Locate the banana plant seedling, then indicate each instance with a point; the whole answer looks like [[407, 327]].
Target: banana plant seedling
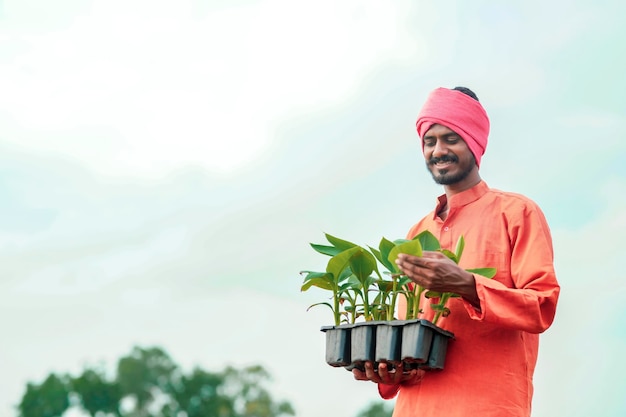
[[352, 276], [348, 277]]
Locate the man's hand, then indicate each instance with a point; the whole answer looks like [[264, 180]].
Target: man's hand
[[390, 377], [436, 272]]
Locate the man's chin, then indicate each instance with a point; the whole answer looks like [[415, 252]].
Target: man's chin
[[441, 180], [444, 178], [440, 176]]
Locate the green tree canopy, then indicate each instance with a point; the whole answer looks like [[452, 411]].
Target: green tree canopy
[[148, 383], [49, 399], [377, 409]]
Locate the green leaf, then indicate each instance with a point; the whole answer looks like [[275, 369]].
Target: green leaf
[[460, 245], [339, 243], [324, 282], [432, 294], [485, 272], [351, 284], [385, 286], [376, 253], [385, 247], [445, 311], [338, 263], [412, 247], [320, 304], [428, 241], [403, 281], [362, 264], [325, 250], [380, 259], [400, 241], [345, 274], [450, 255], [312, 273], [353, 280]]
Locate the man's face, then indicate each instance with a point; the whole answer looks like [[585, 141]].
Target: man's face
[[448, 158]]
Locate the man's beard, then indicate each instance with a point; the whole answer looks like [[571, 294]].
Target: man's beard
[[443, 178]]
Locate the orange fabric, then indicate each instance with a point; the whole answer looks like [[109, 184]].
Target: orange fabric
[[489, 365]]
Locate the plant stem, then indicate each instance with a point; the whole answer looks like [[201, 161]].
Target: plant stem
[[336, 312], [442, 304], [354, 307], [394, 292], [437, 315], [417, 299], [366, 304]]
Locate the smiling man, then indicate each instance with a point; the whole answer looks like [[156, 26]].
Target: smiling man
[[496, 322]]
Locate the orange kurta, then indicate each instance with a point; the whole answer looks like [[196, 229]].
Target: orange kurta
[[489, 366]]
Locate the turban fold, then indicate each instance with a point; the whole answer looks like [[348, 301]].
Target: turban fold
[[459, 112]]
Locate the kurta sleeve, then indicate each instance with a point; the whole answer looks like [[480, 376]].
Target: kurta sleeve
[[388, 392], [531, 304]]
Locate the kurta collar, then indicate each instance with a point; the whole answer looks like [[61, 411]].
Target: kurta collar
[[463, 198]]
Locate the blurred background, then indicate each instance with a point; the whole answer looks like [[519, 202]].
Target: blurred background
[[165, 164]]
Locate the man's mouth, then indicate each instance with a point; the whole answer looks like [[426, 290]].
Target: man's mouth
[[442, 162]]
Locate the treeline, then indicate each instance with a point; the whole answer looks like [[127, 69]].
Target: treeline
[[148, 383]]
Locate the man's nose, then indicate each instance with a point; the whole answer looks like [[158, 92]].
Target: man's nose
[[440, 149]]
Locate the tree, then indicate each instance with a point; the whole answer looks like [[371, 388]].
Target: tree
[[377, 409], [49, 399], [148, 383], [200, 394], [144, 376], [96, 393]]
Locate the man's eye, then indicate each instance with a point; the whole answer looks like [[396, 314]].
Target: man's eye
[[429, 143]]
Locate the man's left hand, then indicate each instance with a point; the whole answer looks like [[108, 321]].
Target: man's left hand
[[436, 272]]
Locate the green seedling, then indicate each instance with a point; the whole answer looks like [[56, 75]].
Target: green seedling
[[358, 289]]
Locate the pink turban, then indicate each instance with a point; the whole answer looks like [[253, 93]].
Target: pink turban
[[459, 112]]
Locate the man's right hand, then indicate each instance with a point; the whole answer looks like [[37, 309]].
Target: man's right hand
[[383, 375]]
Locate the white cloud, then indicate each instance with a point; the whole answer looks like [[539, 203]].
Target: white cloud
[[158, 88], [96, 268]]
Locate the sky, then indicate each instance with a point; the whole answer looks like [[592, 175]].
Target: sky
[[165, 164]]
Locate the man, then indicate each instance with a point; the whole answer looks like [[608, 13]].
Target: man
[[489, 366]]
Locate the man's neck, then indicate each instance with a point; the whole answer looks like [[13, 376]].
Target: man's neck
[[459, 187]]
